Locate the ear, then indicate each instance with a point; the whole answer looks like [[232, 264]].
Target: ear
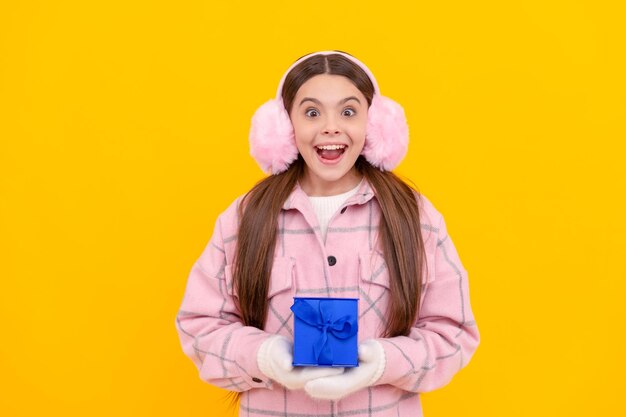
[[387, 135], [272, 140]]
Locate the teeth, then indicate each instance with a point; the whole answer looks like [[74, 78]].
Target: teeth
[[331, 147]]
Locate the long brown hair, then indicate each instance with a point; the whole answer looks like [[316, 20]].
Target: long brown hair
[[399, 227]]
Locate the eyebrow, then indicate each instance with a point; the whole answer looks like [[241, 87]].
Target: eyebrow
[[314, 100]]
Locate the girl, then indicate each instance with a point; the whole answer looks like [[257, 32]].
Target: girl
[[331, 220]]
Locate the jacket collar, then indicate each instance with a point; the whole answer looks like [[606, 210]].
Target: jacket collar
[[298, 199]]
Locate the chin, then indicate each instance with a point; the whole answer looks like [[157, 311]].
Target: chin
[[331, 177], [334, 174]]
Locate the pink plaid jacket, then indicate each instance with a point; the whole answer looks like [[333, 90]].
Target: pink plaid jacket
[[441, 342]]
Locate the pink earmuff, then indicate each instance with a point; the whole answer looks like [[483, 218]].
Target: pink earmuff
[[273, 144]]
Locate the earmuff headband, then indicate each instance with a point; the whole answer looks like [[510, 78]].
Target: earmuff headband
[[272, 139]]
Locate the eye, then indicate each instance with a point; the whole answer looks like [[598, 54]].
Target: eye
[[348, 109], [308, 112]]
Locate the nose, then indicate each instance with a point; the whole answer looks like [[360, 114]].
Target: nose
[[331, 128]]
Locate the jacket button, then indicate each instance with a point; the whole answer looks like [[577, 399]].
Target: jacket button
[[332, 260], [255, 379], [343, 210]]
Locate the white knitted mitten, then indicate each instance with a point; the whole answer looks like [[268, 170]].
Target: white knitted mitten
[[371, 367], [275, 358]]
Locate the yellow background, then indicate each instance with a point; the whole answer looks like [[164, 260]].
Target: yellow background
[[124, 132]]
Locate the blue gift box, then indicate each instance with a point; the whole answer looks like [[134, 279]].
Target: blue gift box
[[325, 331]]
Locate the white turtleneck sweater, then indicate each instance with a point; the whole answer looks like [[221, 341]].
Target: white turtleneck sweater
[[326, 206]]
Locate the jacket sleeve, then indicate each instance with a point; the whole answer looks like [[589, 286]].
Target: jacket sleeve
[[445, 335], [209, 324]]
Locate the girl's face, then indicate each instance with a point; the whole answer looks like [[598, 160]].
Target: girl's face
[[329, 116]]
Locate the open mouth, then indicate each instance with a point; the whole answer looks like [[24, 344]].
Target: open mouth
[[330, 152]]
